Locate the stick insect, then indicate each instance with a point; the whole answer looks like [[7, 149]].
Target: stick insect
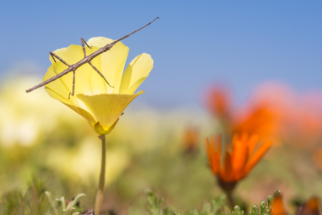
[[86, 59]]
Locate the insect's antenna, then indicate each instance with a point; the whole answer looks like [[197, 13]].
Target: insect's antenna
[[122, 38]]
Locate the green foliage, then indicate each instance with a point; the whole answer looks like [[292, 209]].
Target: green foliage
[[237, 211], [35, 200], [277, 193], [30, 202], [270, 200], [154, 205], [215, 207], [255, 210], [265, 207], [65, 209]]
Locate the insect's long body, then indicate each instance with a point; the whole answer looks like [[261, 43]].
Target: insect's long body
[[74, 66], [86, 59]]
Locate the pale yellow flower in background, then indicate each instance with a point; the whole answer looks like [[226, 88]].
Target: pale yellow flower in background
[[69, 162], [20, 124], [97, 102]]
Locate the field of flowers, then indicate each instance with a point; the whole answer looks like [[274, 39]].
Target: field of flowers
[[233, 154], [86, 144]]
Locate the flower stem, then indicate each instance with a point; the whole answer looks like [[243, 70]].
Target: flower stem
[[228, 188], [100, 191], [230, 199]]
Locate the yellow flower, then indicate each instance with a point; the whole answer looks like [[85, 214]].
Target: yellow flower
[[95, 100]]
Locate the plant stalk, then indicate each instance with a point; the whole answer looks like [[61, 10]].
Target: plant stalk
[[230, 199], [100, 191], [228, 188]]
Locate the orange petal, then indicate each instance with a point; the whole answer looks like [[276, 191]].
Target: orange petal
[[213, 161], [238, 158], [244, 137], [257, 156], [218, 150], [217, 100], [277, 206], [252, 142], [227, 170], [312, 207], [235, 137], [313, 204]]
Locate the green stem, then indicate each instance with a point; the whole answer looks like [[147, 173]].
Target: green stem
[[230, 199], [100, 191], [228, 188]]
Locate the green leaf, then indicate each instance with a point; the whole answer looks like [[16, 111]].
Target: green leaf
[[193, 212], [154, 204], [167, 211], [264, 208], [270, 199], [69, 211], [277, 193], [227, 210], [255, 210], [216, 204], [237, 211], [62, 202], [206, 209], [72, 203], [52, 202]]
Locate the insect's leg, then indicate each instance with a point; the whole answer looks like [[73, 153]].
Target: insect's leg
[[83, 45], [99, 73], [61, 60], [84, 42], [52, 56], [73, 89]]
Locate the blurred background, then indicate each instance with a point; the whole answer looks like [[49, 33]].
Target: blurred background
[[219, 67]]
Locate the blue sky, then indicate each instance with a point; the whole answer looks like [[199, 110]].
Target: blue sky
[[194, 43]]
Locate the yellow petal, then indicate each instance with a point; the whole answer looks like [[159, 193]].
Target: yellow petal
[[107, 108], [87, 80], [100, 130], [82, 112], [59, 97], [136, 72], [72, 106], [112, 61], [96, 83], [59, 86], [71, 54], [131, 90]]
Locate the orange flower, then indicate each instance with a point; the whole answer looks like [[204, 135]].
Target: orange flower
[[317, 158], [259, 119], [255, 118], [218, 101], [190, 139], [236, 164], [311, 207], [277, 206]]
